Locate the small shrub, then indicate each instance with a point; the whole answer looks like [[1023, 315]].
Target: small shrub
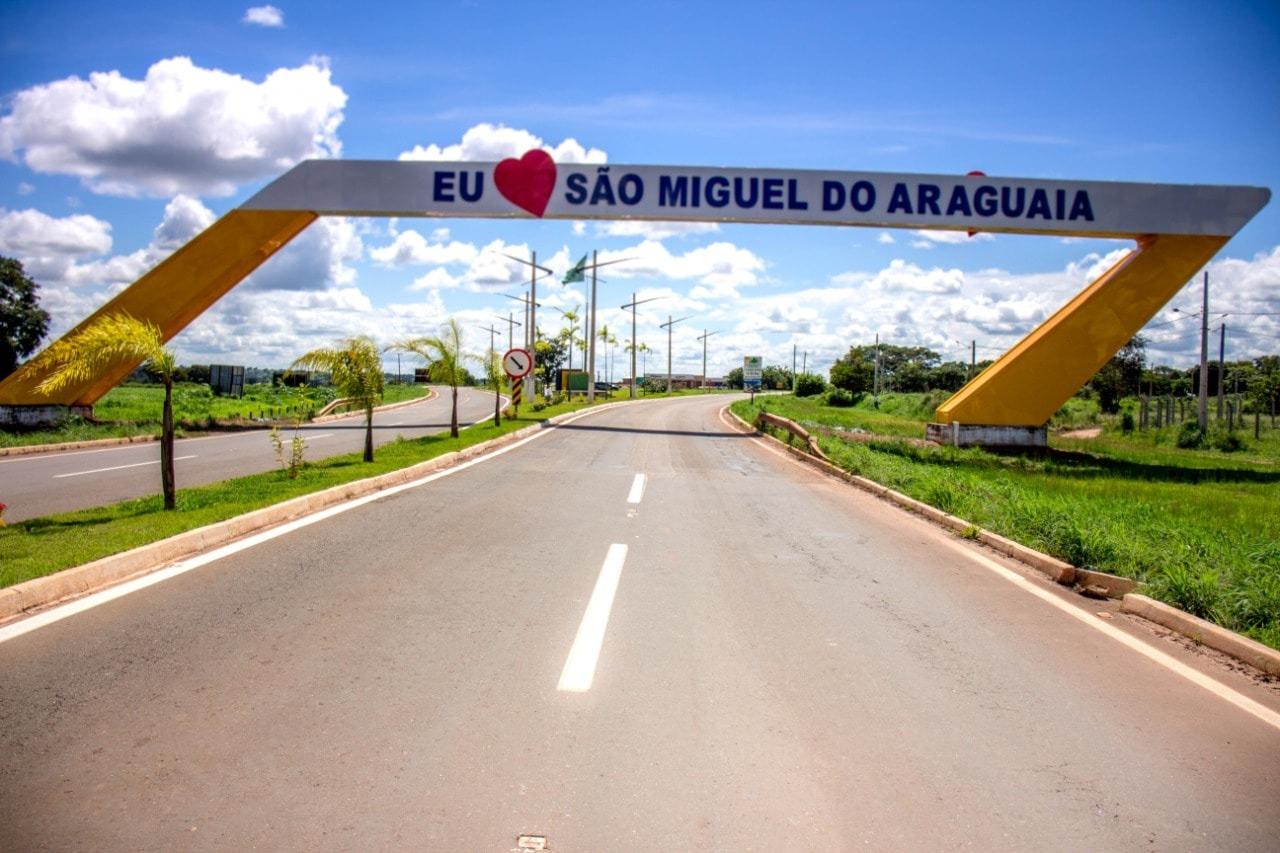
[[841, 398], [1126, 422], [537, 406], [1190, 436], [809, 384], [1229, 442], [1198, 593]]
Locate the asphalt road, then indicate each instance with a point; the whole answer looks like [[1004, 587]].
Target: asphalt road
[[50, 483], [731, 652]]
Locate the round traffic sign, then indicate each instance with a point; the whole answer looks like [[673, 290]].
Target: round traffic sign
[[517, 362]]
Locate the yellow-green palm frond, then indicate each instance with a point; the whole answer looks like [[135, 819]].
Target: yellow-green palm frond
[[108, 341], [354, 366]]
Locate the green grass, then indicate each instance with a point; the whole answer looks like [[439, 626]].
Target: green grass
[[40, 546], [1201, 527], [134, 409]]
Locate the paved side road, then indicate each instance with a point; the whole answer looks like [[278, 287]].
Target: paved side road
[[33, 486], [637, 631]]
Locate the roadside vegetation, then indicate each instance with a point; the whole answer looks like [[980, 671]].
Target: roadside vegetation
[[1200, 526]]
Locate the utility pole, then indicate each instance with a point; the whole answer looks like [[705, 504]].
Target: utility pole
[[973, 358], [591, 321], [511, 322], [1222, 366], [1202, 410], [793, 368], [875, 376], [668, 326], [531, 332], [804, 364], [632, 305], [703, 337]]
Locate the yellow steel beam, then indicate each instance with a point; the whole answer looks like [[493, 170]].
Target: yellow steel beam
[[174, 293], [1027, 384]]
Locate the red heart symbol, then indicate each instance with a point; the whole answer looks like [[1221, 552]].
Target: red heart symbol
[[528, 182]]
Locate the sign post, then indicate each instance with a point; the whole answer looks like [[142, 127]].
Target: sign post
[[752, 373], [518, 363]]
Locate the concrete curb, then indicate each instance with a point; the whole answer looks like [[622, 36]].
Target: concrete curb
[[28, 449], [90, 577], [1206, 633], [1099, 584], [389, 407]]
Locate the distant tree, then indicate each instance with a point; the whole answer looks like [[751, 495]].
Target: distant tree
[[355, 368], [776, 376], [23, 323], [1120, 376], [854, 371], [949, 376], [109, 341], [809, 384], [494, 375], [444, 350], [549, 356], [733, 378]]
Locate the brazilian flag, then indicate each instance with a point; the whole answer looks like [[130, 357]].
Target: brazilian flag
[[578, 272]]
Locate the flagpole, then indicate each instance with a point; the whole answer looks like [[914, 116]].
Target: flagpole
[[591, 337]]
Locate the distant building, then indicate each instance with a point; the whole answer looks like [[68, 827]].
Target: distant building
[[680, 381]]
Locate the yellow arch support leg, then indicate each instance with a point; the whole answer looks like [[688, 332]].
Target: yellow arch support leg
[[174, 293], [1033, 379]]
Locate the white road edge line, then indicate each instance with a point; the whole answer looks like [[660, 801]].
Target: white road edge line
[[71, 608], [1153, 654], [580, 667], [637, 489], [121, 467]]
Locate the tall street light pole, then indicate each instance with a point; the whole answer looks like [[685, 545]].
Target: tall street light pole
[[531, 333], [1202, 409], [632, 305], [511, 322], [668, 326], [591, 319], [703, 337]]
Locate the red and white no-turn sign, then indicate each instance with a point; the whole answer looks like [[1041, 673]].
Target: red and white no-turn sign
[[517, 363]]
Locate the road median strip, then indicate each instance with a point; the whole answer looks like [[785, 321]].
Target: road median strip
[[1087, 582], [32, 449]]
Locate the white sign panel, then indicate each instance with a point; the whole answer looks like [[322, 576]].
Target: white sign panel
[[535, 186], [517, 362], [752, 370]]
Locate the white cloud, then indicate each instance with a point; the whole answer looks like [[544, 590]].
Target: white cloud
[[181, 129], [929, 238], [29, 234], [263, 16], [410, 247], [487, 142], [886, 238], [719, 268], [316, 259], [25, 188]]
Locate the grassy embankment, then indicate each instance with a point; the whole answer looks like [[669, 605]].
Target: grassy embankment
[[134, 409], [1200, 527]]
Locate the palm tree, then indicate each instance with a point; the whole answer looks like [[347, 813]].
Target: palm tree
[[493, 372], [446, 351], [355, 367], [113, 339], [606, 337]]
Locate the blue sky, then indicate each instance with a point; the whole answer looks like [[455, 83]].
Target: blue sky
[[92, 193]]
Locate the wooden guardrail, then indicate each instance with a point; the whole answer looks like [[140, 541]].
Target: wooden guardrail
[[767, 419]]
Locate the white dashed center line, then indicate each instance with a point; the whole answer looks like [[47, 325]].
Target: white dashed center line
[[580, 668], [637, 489], [120, 467]]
